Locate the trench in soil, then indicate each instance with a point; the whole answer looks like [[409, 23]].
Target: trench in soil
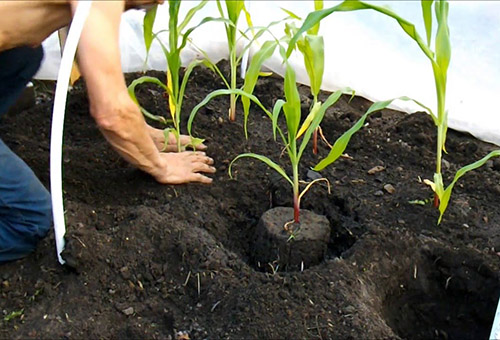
[[443, 297]]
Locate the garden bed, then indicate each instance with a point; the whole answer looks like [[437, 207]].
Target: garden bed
[[149, 261]]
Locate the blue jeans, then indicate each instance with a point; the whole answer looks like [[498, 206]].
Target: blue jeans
[[25, 205]]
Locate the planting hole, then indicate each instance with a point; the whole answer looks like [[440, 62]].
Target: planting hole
[[448, 295]]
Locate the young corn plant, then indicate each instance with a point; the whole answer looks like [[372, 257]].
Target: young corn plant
[[178, 37], [294, 147], [252, 73], [440, 60], [234, 8]]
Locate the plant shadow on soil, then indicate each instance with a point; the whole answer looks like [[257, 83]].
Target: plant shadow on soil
[[147, 261]]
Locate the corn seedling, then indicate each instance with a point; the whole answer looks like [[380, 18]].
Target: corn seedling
[[252, 73], [292, 111], [440, 60], [177, 38], [234, 8]]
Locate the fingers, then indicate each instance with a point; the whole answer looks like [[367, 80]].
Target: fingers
[[202, 163], [197, 177], [187, 166], [202, 167]]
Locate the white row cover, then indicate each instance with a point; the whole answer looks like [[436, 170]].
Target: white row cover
[[364, 50]]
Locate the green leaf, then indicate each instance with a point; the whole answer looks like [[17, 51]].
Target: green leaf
[[427, 15], [223, 92], [443, 45], [291, 14], [14, 314], [318, 5], [264, 159], [148, 22], [444, 200], [234, 8], [342, 142], [194, 143], [418, 202], [190, 14], [307, 122], [146, 79], [312, 48], [252, 74], [260, 31], [185, 79], [315, 17], [166, 136], [217, 93], [291, 108], [331, 100], [276, 111], [188, 32]]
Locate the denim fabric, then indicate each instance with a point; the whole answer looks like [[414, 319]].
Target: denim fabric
[[17, 67], [25, 206]]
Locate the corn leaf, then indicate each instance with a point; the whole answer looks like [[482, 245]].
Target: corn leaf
[[291, 14], [307, 122], [264, 159], [188, 32], [291, 108], [234, 8], [166, 136], [146, 79], [190, 14], [260, 31], [444, 200], [252, 75], [427, 15], [443, 45], [332, 99], [318, 5], [148, 23], [315, 17], [185, 79], [223, 92], [342, 142], [313, 49], [276, 111], [171, 99]]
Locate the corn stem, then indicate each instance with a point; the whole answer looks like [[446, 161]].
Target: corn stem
[[232, 97]]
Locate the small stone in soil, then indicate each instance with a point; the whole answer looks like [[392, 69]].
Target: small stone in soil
[[446, 164], [378, 193], [128, 311], [313, 175], [389, 188], [376, 169]]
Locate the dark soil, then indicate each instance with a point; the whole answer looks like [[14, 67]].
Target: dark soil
[[149, 261]]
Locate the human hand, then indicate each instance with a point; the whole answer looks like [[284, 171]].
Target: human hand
[[184, 167], [159, 140]]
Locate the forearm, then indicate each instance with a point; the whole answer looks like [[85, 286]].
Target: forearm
[[117, 116], [125, 129]]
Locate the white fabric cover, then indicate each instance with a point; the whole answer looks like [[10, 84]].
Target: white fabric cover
[[364, 50]]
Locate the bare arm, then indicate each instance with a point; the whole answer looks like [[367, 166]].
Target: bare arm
[[117, 116]]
